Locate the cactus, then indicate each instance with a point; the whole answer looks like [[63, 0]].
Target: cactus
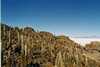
[[25, 47]]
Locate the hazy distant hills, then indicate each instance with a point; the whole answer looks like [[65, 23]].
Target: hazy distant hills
[[25, 47], [87, 36], [84, 40]]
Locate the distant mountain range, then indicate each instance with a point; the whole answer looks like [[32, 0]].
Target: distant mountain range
[[84, 40], [87, 37]]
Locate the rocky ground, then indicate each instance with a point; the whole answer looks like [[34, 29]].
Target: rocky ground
[[25, 47]]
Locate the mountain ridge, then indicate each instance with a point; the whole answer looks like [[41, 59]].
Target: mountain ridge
[[30, 48]]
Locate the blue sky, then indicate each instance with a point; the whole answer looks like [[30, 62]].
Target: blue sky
[[68, 17]]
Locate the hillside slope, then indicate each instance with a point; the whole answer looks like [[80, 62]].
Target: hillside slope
[[24, 47]]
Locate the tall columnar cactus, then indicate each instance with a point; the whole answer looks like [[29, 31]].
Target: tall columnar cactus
[[59, 60], [22, 47]]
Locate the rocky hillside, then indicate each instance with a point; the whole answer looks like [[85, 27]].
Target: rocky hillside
[[95, 45], [93, 50], [24, 47]]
